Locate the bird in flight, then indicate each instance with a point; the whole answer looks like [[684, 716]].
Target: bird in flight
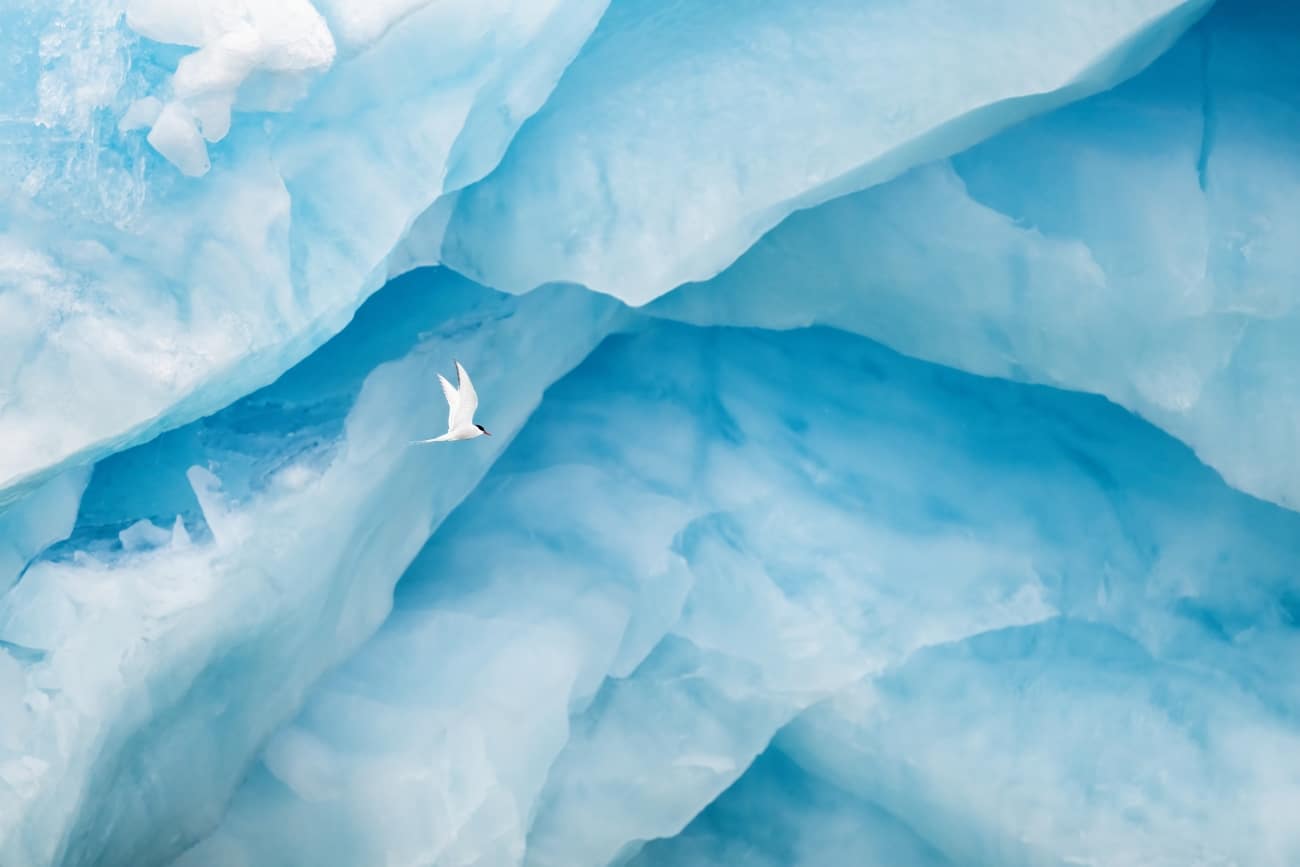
[[462, 400]]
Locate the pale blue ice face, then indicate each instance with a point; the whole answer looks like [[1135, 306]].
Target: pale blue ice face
[[966, 610], [612, 185], [895, 412], [1139, 244], [218, 570], [151, 292]]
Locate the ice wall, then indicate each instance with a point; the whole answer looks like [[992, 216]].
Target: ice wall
[[730, 595], [198, 194], [1140, 244], [998, 623], [145, 298], [1069, 742], [682, 133], [217, 571]]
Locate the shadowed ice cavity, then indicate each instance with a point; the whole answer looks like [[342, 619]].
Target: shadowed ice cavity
[[1139, 244], [215, 572], [609, 185], [144, 297], [804, 823], [703, 533]]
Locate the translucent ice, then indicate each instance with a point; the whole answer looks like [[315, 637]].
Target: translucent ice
[[684, 132], [144, 298], [153, 663], [1140, 244], [285, 42], [684, 555], [713, 594]]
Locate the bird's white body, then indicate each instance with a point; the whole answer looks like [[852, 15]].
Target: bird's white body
[[462, 401]]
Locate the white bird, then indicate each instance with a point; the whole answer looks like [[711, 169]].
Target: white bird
[[462, 400]]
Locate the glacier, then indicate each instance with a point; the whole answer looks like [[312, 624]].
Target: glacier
[[895, 412]]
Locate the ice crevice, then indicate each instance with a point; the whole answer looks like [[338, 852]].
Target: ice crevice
[[1207, 113]]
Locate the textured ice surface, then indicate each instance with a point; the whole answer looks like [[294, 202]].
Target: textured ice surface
[[683, 554], [155, 662], [684, 131], [145, 298], [1140, 244], [729, 596], [1069, 742], [286, 43]]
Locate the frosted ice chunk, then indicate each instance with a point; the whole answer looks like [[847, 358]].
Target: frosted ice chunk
[[682, 134], [235, 39], [142, 113], [221, 518], [1139, 244], [142, 535], [175, 135]]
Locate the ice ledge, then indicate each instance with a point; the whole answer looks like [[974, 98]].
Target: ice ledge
[[678, 138]]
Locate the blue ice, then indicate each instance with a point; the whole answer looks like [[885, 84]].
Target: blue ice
[[896, 409], [1005, 624]]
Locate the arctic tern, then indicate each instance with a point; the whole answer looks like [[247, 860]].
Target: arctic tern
[[462, 400]]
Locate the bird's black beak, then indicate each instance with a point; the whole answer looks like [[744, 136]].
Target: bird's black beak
[[487, 433]]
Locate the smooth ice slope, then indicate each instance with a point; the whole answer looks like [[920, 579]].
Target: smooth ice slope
[[1140, 244], [683, 554], [1069, 742], [685, 131], [217, 571], [144, 298]]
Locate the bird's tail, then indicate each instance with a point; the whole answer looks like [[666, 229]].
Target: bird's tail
[[441, 439]]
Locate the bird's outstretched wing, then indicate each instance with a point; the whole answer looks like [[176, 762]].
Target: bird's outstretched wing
[[453, 400], [467, 399]]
